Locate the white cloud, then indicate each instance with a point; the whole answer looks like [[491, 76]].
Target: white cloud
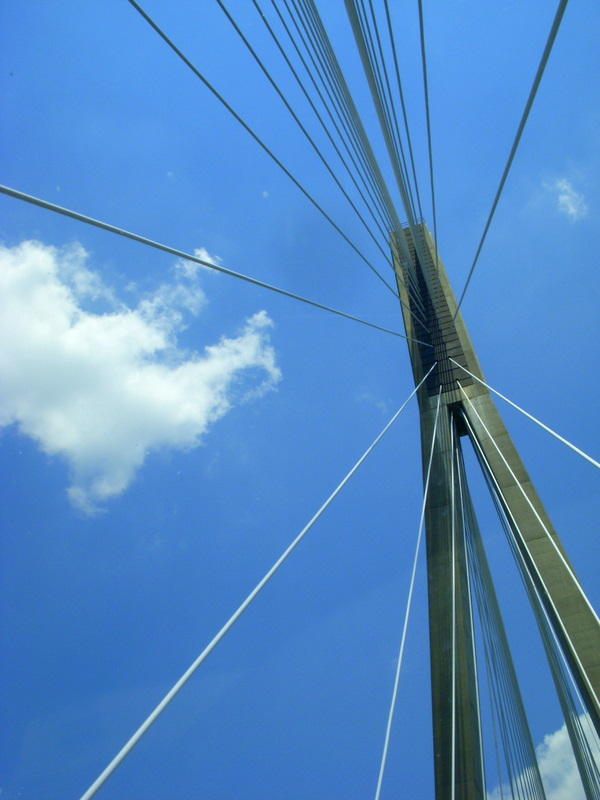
[[570, 202], [557, 765], [104, 388]]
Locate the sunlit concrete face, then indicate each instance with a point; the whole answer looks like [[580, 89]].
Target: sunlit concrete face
[[424, 289]]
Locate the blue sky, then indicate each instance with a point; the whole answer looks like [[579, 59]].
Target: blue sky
[[210, 462]]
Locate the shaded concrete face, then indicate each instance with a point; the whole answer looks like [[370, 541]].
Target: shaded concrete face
[[424, 288], [452, 657]]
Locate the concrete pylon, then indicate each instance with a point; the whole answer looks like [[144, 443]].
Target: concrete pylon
[[574, 621]]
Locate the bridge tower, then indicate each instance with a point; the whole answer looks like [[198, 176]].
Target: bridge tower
[[466, 409]]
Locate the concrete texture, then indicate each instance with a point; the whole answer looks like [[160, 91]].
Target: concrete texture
[[574, 622]]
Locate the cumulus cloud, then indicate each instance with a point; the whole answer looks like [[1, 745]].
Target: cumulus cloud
[[557, 765], [569, 201], [102, 384]]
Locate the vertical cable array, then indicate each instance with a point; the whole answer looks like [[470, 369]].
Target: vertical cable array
[[322, 61], [370, 31], [302, 127], [506, 701], [312, 33], [266, 149], [373, 70], [355, 175], [453, 592], [392, 38], [469, 585], [584, 739], [309, 39], [428, 121], [369, 201]]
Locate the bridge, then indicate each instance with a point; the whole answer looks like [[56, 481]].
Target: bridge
[[469, 648]]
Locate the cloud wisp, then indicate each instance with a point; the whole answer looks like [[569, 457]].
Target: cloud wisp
[[570, 202], [103, 389]]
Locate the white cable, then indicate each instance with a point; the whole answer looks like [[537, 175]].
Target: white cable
[[532, 566], [531, 506], [532, 93], [136, 237], [530, 579], [388, 729], [530, 416], [472, 637], [130, 744], [453, 560]]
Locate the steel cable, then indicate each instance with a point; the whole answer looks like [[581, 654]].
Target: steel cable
[[386, 93], [416, 235], [332, 111], [338, 79], [521, 751], [330, 73], [327, 73], [563, 678], [428, 121], [529, 103], [303, 128], [319, 34], [257, 139], [390, 717], [301, 125], [373, 211], [403, 104], [136, 237], [180, 683], [530, 416]]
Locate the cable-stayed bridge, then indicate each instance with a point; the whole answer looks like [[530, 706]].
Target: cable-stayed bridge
[[462, 597]]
